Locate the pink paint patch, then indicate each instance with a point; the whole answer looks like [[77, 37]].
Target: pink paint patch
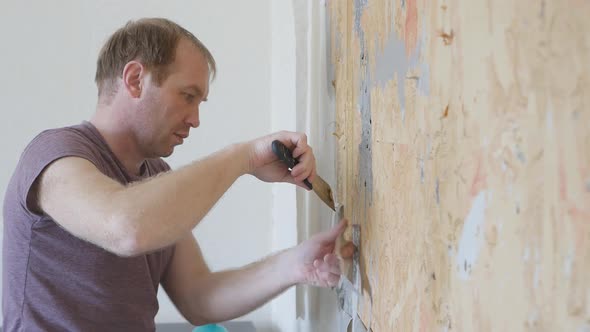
[[425, 318], [411, 29], [403, 149], [479, 181], [576, 213]]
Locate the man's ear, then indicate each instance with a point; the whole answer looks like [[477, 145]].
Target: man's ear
[[133, 74]]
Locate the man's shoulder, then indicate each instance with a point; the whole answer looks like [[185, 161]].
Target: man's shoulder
[[58, 135], [55, 143], [43, 149]]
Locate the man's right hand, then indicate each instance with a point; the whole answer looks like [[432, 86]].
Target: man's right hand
[[266, 166]]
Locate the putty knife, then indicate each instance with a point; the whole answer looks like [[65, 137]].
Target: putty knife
[[319, 186]]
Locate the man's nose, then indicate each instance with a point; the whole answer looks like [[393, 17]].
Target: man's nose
[[193, 118]]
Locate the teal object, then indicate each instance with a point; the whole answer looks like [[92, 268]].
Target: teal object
[[210, 328]]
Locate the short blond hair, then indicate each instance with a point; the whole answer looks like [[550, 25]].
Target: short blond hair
[[153, 42]]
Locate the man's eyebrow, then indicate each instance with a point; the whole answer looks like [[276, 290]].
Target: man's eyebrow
[[197, 90]]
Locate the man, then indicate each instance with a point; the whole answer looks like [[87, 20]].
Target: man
[[95, 220]]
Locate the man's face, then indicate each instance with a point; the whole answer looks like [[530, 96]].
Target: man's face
[[166, 113]]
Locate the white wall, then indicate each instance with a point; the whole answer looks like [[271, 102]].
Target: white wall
[[316, 307], [284, 209], [48, 56], [301, 86]]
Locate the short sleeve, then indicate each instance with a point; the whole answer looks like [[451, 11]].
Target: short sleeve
[[44, 149]]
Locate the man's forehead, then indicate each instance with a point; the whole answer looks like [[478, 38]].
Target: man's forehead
[[191, 66]]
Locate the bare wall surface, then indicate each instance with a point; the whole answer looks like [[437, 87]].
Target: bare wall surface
[[464, 154]]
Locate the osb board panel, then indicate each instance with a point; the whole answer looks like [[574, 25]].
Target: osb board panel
[[464, 154]]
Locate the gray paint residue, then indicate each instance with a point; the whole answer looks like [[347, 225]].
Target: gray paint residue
[[472, 236], [364, 107], [423, 159], [392, 63], [437, 192], [519, 154], [421, 162], [359, 7], [365, 146], [424, 79]]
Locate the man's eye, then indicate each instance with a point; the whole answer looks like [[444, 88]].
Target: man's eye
[[189, 98]]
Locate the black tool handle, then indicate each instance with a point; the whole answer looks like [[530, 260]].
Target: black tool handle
[[284, 154]]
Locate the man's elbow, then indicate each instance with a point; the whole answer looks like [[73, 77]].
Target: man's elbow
[[127, 247], [125, 238], [198, 321], [198, 317], [196, 311]]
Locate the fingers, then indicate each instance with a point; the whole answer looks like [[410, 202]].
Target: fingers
[[300, 145], [296, 142], [327, 270], [332, 234], [329, 279], [330, 264], [306, 168]]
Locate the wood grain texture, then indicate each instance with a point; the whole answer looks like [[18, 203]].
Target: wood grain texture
[[464, 154]]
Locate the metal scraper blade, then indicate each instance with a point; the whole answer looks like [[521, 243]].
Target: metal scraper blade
[[346, 290], [324, 191]]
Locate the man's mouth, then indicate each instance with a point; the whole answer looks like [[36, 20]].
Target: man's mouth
[[180, 138], [182, 135]]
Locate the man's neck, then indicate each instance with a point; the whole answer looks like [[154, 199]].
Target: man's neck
[[119, 138]]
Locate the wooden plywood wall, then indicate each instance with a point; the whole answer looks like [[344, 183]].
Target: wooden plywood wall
[[464, 154]]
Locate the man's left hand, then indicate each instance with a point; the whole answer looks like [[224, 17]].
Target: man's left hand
[[316, 263]]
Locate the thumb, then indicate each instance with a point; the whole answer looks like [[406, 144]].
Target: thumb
[[334, 233]]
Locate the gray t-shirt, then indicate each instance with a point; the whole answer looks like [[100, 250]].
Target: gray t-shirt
[[53, 281]]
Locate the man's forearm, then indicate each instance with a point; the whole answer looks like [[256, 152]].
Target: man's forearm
[[161, 210], [225, 295]]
